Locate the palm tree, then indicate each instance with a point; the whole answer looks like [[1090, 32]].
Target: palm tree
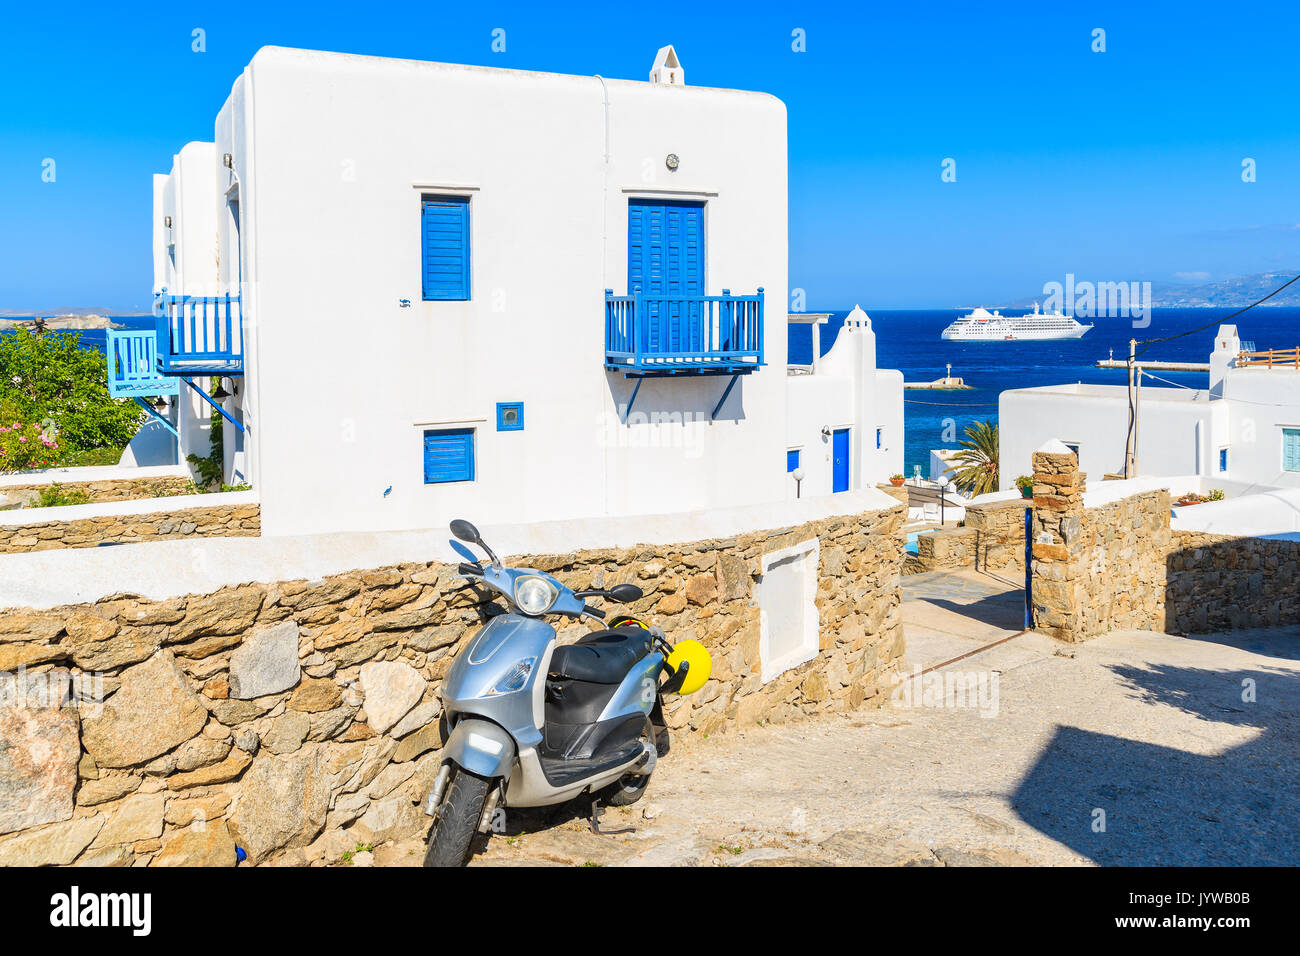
[[975, 468]]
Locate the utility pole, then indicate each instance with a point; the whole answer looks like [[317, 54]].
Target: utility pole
[[1130, 470], [1137, 420]]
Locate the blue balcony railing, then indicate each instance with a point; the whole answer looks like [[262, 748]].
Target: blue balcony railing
[[199, 335], [652, 334], [133, 365]]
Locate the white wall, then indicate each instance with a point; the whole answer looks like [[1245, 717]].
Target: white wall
[[1261, 402], [1095, 417], [186, 263], [847, 391], [331, 154]]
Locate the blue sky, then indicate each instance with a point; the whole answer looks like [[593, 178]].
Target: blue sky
[[1122, 165]]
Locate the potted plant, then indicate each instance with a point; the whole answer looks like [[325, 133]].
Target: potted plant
[[1026, 486], [1216, 494], [896, 480], [1189, 499]]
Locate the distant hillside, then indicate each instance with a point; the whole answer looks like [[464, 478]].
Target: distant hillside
[[67, 310], [1223, 294], [1228, 293]]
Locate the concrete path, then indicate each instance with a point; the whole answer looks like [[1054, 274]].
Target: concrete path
[[1134, 748]]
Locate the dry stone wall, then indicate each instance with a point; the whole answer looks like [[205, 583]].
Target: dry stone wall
[[1121, 567], [226, 521], [113, 489], [1217, 582], [298, 718]]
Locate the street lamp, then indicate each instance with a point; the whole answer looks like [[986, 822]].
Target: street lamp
[[798, 482]]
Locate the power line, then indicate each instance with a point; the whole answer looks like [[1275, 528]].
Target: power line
[[910, 401], [1147, 343], [1130, 440]]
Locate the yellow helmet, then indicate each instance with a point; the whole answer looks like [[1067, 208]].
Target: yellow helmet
[[697, 658]]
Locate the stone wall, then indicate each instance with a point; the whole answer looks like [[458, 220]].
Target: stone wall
[[946, 549], [113, 489], [299, 718], [1121, 567], [1095, 570], [227, 521], [999, 528], [1218, 582], [993, 537]]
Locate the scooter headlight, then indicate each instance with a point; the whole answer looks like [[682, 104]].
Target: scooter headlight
[[515, 678], [534, 594]]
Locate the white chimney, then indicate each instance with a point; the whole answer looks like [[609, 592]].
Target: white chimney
[[1227, 345], [668, 69]]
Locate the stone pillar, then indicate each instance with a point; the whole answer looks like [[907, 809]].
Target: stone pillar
[[1059, 593]]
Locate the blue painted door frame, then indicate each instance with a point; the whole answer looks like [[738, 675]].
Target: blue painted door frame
[[840, 460], [665, 256]]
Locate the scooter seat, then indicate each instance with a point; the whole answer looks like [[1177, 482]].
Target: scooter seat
[[601, 657]]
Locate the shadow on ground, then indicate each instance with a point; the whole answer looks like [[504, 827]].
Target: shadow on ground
[[1164, 805]]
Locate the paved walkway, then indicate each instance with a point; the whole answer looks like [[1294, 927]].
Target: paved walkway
[[1133, 748]]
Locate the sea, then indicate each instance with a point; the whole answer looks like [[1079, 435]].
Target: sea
[[909, 341]]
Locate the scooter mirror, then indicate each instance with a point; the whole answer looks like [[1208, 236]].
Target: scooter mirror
[[465, 531], [625, 593], [463, 551]]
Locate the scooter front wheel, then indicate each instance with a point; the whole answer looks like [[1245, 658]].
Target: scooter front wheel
[[457, 819]]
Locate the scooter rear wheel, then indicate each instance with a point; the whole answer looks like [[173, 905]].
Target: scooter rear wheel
[[626, 791], [458, 819]]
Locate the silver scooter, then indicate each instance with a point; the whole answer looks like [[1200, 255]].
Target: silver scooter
[[534, 724]]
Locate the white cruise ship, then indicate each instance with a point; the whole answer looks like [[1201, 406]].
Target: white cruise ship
[[981, 325]]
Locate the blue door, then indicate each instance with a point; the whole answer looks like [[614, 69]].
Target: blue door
[[840, 460], [665, 258]]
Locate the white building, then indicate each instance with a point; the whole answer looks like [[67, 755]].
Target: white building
[[1242, 431], [505, 295]]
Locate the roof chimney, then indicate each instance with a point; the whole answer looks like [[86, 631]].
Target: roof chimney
[[667, 69]]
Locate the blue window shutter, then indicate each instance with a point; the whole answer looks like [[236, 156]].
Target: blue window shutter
[[1291, 449], [665, 256], [1223, 459], [792, 460], [445, 249], [448, 455]]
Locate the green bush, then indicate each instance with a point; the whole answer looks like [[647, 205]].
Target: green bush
[[49, 378]]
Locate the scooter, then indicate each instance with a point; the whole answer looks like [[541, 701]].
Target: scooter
[[534, 724]]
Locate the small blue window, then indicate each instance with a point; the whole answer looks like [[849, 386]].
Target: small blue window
[[448, 455], [445, 247], [880, 438], [510, 416], [792, 459], [1291, 449], [1223, 460]]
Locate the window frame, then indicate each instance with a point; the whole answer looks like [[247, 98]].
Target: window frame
[[457, 199], [471, 456], [502, 408]]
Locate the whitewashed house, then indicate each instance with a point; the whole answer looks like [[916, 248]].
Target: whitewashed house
[[432, 290], [1241, 432]]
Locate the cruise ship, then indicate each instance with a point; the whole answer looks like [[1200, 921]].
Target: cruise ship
[[981, 325]]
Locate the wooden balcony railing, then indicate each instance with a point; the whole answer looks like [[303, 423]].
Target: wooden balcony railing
[[199, 335], [133, 365], [652, 334], [1273, 358]]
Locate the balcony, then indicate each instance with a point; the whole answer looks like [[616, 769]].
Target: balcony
[[649, 334], [199, 335], [133, 366]]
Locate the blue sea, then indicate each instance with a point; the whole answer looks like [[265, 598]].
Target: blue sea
[[909, 341]]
